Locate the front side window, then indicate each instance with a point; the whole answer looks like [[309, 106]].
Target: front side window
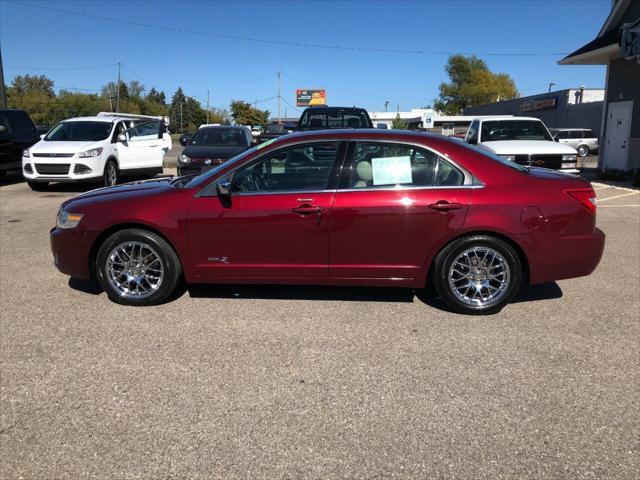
[[384, 165], [575, 134], [146, 131], [79, 132], [472, 133], [305, 167], [563, 135], [494, 130]]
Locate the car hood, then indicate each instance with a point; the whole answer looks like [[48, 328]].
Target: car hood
[[126, 191], [213, 151], [525, 147], [63, 147]]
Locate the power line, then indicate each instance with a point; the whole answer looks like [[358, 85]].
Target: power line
[[281, 42], [23, 67], [287, 103]]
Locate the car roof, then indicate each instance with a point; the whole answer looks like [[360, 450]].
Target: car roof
[[104, 119], [341, 134], [568, 129], [506, 117], [326, 107]]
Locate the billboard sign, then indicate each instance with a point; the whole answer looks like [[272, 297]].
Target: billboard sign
[[543, 104], [310, 97]]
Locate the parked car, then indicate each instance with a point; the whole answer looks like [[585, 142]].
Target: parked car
[[320, 118], [94, 149], [17, 132], [211, 146], [134, 119], [339, 208], [524, 140], [582, 139], [185, 138], [271, 131], [43, 129]]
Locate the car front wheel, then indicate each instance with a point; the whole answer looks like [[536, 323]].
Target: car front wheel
[[583, 150], [477, 274], [110, 175], [138, 268]]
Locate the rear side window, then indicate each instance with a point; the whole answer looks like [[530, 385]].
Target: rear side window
[[4, 121], [382, 165], [575, 134], [588, 134]]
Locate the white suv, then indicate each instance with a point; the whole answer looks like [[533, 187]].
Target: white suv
[[524, 140], [96, 149]]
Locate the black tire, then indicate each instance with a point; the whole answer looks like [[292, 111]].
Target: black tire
[[110, 174], [38, 186], [446, 257], [583, 150], [167, 256]]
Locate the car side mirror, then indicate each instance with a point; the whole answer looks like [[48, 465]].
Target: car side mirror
[[122, 138], [224, 189], [41, 136]]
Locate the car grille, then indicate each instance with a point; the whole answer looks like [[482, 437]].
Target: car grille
[[52, 168], [52, 155], [540, 160]]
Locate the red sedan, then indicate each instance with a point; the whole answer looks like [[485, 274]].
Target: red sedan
[[348, 207]]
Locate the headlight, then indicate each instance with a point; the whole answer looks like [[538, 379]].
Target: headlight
[[94, 152], [68, 220], [568, 158], [183, 158], [26, 153], [511, 158]]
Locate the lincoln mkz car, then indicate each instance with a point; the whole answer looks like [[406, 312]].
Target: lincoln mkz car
[[344, 207]]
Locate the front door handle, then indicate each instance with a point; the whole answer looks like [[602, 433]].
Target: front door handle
[[444, 206], [308, 210]]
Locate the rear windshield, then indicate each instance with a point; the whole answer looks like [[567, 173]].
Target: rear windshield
[[79, 132], [335, 119], [275, 128], [493, 131], [218, 136]]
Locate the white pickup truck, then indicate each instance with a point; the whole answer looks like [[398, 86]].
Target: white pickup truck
[[524, 140]]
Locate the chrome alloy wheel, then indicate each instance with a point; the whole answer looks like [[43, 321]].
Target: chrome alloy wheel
[[111, 174], [479, 276], [134, 270]]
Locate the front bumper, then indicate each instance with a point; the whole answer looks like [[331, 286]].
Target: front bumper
[[194, 168], [71, 252]]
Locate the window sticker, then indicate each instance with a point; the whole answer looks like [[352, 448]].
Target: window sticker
[[391, 170]]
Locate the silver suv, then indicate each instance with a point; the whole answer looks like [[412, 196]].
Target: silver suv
[[582, 139]]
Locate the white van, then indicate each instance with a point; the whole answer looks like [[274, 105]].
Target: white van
[[524, 140], [98, 149]]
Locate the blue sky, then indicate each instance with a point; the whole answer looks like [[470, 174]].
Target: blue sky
[[242, 69]]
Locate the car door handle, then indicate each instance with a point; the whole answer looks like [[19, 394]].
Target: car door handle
[[444, 206], [308, 210]]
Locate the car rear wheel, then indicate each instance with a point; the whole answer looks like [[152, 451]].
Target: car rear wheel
[[138, 268], [110, 175], [477, 274], [583, 150], [38, 186]]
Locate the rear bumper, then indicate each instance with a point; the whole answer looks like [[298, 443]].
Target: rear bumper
[[71, 250], [555, 258]]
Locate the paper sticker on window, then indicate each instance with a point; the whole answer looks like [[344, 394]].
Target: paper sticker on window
[[391, 170]]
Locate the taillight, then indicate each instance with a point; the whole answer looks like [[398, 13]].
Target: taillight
[[585, 197]]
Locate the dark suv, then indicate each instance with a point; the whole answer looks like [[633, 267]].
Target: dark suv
[[17, 133], [325, 118]]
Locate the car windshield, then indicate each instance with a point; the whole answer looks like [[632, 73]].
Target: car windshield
[[274, 128], [335, 119], [79, 132], [218, 136], [493, 131]]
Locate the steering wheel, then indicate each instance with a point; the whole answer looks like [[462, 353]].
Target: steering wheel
[[251, 181]]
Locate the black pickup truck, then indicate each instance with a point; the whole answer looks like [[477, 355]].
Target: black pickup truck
[[324, 118], [17, 133]]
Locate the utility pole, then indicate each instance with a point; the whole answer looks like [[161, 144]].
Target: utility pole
[[551, 85], [386, 104], [3, 94], [279, 98], [118, 91], [207, 106]]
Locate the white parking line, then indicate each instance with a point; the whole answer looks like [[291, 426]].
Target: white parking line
[[616, 206], [616, 196], [604, 185]]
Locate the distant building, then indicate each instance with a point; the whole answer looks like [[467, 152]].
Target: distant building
[[617, 46], [569, 108], [424, 119]]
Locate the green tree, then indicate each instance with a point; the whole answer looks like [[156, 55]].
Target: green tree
[[399, 123], [244, 114], [472, 83], [156, 97], [26, 84], [185, 113]]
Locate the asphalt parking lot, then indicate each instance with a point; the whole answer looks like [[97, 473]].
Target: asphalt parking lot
[[282, 382]]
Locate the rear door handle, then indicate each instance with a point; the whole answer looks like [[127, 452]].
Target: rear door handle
[[444, 206]]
